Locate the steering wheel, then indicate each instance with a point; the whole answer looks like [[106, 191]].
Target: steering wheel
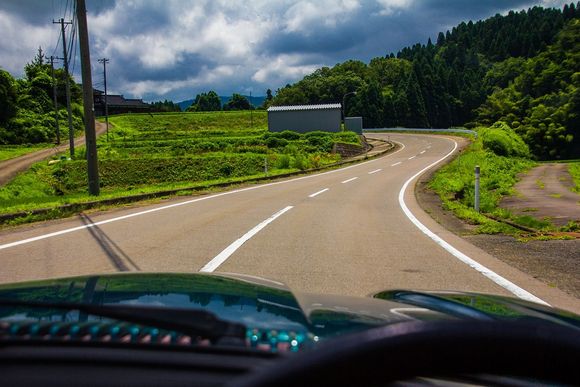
[[403, 351]]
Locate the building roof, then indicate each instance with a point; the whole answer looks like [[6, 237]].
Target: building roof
[[119, 100], [304, 107]]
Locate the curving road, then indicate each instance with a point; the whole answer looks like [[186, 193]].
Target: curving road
[[352, 231]]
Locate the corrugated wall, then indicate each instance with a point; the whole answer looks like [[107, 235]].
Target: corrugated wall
[[304, 120]]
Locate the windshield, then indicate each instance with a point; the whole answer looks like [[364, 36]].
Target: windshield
[[264, 153]]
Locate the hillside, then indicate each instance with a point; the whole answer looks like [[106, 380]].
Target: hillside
[[532, 55]]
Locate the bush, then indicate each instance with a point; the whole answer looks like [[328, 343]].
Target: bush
[[321, 141], [289, 135], [503, 141], [275, 142], [283, 162], [347, 137], [300, 162]]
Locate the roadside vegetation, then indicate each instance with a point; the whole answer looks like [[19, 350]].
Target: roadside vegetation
[[10, 151], [157, 152], [574, 169], [501, 155]]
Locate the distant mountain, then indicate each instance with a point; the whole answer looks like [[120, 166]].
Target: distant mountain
[[255, 101]]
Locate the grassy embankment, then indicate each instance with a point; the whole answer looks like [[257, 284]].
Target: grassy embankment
[[574, 169], [501, 155], [151, 153], [11, 151]]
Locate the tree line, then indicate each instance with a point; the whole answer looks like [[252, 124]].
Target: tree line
[[27, 113], [521, 68]]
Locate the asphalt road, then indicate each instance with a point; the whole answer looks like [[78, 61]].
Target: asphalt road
[[339, 232]]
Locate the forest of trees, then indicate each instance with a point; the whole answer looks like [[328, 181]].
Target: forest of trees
[[26, 105], [210, 101], [164, 107], [521, 68]]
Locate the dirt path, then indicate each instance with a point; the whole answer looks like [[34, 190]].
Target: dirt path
[[544, 192], [12, 167], [554, 262]]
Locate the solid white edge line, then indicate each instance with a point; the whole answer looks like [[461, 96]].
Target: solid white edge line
[[318, 193], [349, 180], [375, 171], [501, 281], [394, 165], [66, 231], [228, 251]]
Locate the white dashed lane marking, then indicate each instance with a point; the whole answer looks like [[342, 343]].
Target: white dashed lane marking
[[318, 193]]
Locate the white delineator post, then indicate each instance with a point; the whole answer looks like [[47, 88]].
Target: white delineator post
[[477, 188]]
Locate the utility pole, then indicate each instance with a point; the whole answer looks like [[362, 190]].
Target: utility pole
[[52, 58], [104, 61], [89, 109], [71, 133]]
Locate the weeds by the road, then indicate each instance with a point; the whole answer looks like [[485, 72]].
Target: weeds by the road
[[10, 151], [574, 169], [498, 152]]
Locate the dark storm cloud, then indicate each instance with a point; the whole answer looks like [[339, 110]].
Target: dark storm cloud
[[188, 65], [176, 48]]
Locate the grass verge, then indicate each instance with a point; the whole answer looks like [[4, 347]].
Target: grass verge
[[11, 151], [574, 170]]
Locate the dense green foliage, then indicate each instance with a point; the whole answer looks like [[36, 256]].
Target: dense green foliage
[[26, 105], [206, 102], [521, 68], [164, 107], [238, 102], [543, 101], [495, 152]]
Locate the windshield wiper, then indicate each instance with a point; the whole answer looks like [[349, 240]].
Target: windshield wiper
[[192, 322]]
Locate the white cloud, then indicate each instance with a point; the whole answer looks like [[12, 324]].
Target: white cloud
[[388, 7], [283, 68], [306, 16], [15, 51]]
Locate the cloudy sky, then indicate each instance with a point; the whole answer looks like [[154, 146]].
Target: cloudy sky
[[175, 49]]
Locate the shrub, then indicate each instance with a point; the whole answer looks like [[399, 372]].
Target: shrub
[[283, 161], [503, 141], [275, 142], [289, 135], [300, 162]]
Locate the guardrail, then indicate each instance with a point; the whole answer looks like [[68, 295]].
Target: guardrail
[[453, 130]]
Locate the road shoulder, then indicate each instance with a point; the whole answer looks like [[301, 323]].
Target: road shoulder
[[553, 263]]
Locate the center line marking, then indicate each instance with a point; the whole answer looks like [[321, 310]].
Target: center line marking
[[375, 171], [412, 157], [228, 251], [349, 180], [393, 165], [422, 152], [318, 193]]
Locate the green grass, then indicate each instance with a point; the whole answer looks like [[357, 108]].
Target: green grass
[[455, 182], [152, 153], [11, 151], [574, 170]]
